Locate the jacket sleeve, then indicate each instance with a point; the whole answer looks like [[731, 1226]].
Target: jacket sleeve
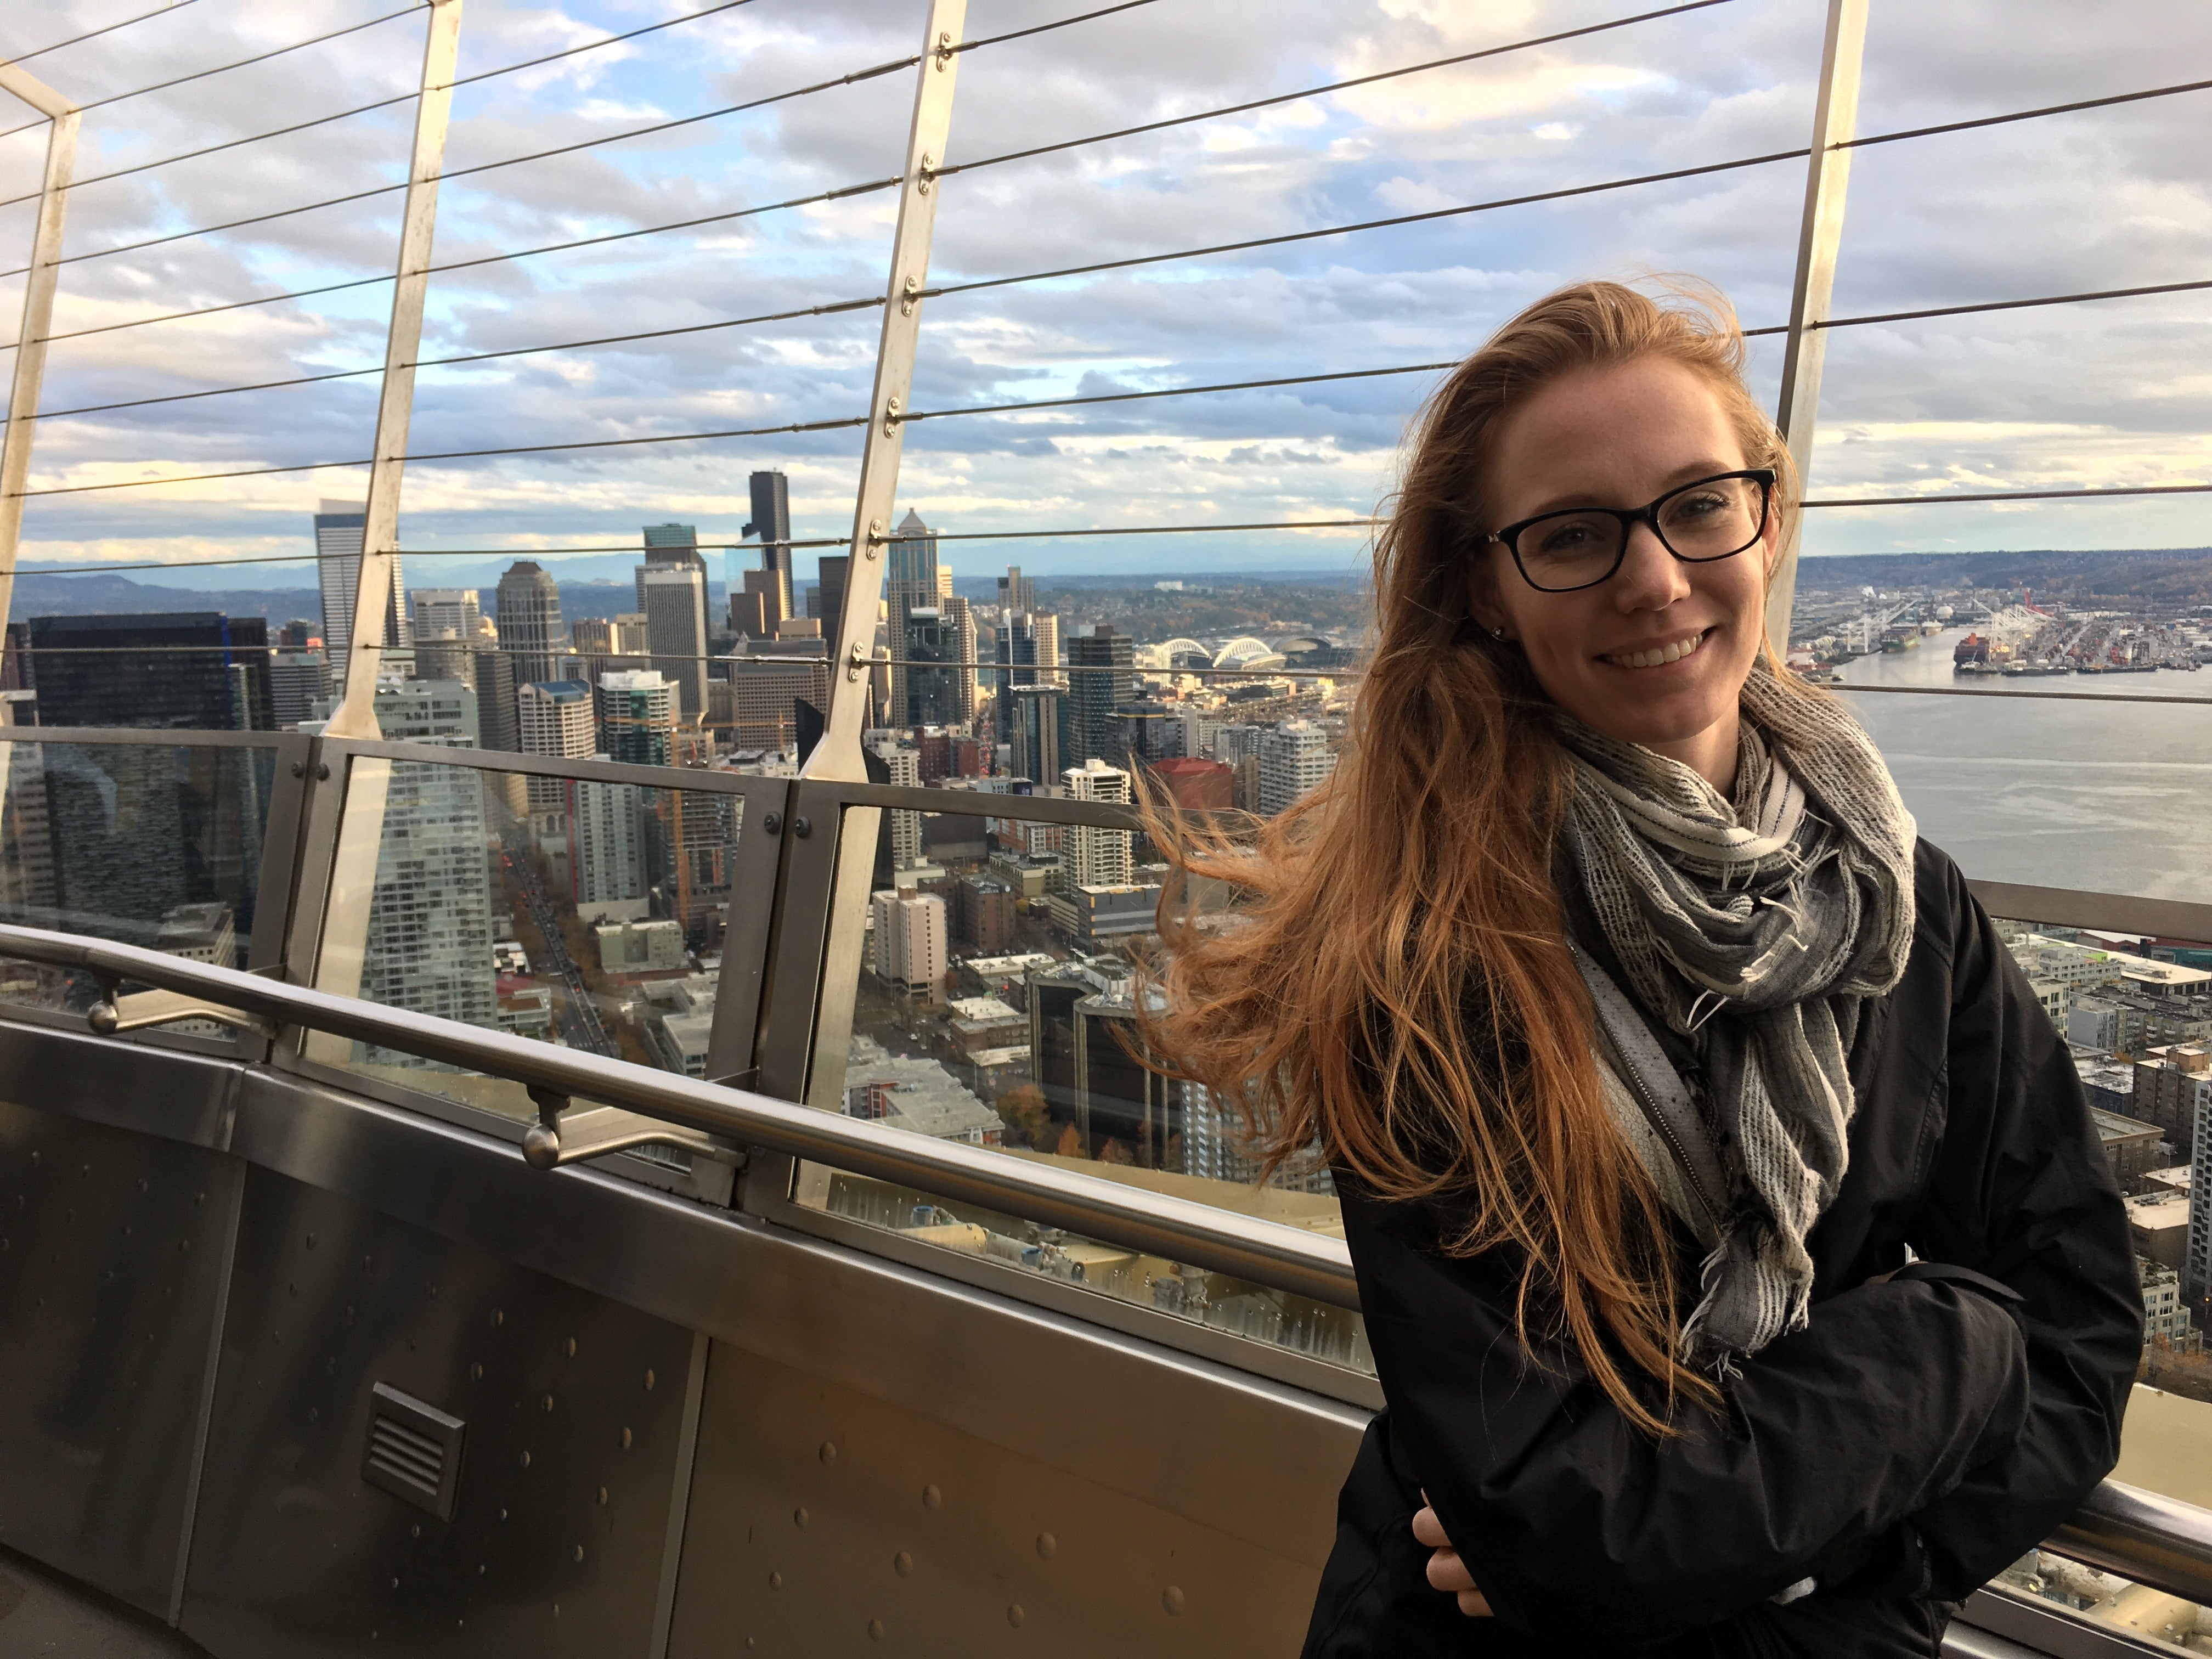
[[1580, 1527], [2021, 1191]]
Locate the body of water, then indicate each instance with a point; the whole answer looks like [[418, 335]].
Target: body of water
[[2097, 794]]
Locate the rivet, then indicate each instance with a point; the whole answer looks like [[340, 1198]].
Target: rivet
[[580, 1551], [931, 1497], [548, 1402], [498, 1317], [1171, 1599], [572, 1347], [829, 1453], [802, 827], [1015, 1616], [299, 769], [650, 1379], [602, 1497], [526, 1460], [395, 1584], [482, 1569], [476, 1371], [502, 1514], [322, 772], [902, 1564], [875, 1630], [626, 1439], [775, 1581], [1045, 1545], [414, 1531], [799, 1516]]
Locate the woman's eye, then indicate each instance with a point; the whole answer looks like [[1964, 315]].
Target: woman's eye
[[1576, 535], [1704, 504]]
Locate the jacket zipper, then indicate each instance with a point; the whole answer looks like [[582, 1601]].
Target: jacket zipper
[[1658, 1121]]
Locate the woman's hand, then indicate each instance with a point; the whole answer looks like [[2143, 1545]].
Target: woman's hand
[[1446, 1571]]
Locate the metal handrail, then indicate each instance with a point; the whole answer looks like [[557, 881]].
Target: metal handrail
[[2143, 1536], [1180, 1229]]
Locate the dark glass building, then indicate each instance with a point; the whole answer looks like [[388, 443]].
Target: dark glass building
[[1101, 676], [185, 670]]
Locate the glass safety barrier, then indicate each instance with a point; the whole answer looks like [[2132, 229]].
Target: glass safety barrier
[[994, 1002], [586, 911], [157, 843]]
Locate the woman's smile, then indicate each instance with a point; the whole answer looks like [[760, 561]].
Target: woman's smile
[[1662, 655]]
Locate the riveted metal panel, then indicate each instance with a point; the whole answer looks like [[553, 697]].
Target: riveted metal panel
[[111, 1270], [574, 1408], [826, 1522]]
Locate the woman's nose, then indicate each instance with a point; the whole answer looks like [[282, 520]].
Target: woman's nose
[[1650, 578]]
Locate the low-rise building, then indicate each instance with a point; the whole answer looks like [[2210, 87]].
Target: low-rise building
[[2158, 1224], [915, 1094], [2131, 1147], [2165, 1314], [640, 947], [979, 1023], [1092, 915]]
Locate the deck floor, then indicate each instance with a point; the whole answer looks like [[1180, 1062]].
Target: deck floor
[[43, 1613]]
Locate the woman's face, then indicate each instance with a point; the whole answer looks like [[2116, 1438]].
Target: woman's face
[[1621, 436]]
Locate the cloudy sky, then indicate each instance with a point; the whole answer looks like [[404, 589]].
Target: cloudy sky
[[2113, 393]]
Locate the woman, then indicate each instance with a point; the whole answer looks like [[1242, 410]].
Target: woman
[[1741, 1268]]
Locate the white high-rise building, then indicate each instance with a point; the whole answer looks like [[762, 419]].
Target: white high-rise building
[[458, 608], [530, 622], [606, 849], [910, 941], [555, 718], [1294, 758], [429, 917], [905, 828], [1097, 857], [340, 530]]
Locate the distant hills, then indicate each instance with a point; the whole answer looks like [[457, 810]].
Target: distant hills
[[2165, 577]]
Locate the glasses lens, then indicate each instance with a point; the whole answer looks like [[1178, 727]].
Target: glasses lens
[[1569, 549], [1712, 520]]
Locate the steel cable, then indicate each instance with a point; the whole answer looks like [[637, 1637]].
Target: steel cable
[[222, 69], [381, 103], [1317, 92], [538, 155], [94, 35]]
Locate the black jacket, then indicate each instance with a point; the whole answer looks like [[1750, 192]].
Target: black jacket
[[1916, 1438]]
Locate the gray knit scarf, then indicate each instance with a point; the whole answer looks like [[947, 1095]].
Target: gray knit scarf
[[1753, 928]]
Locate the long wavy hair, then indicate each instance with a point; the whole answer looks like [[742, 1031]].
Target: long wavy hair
[[1391, 983]]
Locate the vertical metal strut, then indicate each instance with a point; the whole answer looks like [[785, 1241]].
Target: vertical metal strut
[[356, 712], [838, 753], [39, 286], [1827, 177]]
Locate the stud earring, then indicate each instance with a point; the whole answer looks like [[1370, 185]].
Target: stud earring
[[1497, 632]]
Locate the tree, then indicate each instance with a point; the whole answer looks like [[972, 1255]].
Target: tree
[[1023, 1110]]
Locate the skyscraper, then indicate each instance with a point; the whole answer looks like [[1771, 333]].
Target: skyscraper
[[339, 529], [458, 608], [675, 604], [555, 718], [667, 545], [829, 596], [495, 700], [1101, 677], [926, 646], [637, 717], [771, 522], [960, 652], [172, 671], [911, 583], [606, 849], [1033, 731], [1015, 592], [530, 626], [1016, 651]]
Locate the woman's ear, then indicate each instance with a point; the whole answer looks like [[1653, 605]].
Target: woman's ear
[[1482, 598]]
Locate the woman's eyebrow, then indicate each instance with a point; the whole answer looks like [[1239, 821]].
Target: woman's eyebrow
[[1571, 499]]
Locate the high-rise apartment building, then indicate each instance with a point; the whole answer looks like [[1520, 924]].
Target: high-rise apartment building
[[340, 529], [770, 494], [904, 764], [1101, 677], [530, 626], [637, 717], [298, 680], [555, 717], [910, 942], [428, 946], [931, 697], [1097, 856], [459, 609], [764, 696], [959, 624], [606, 849], [1294, 758], [675, 604], [495, 688], [172, 671], [1033, 730], [1015, 648]]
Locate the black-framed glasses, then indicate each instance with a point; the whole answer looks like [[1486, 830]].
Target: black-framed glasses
[[1715, 517]]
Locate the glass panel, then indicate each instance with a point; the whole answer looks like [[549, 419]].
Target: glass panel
[[2164, 1623], [994, 1005], [577, 912], [150, 844], [2136, 1012], [2081, 792]]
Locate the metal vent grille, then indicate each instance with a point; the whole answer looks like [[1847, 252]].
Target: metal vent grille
[[414, 1451]]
